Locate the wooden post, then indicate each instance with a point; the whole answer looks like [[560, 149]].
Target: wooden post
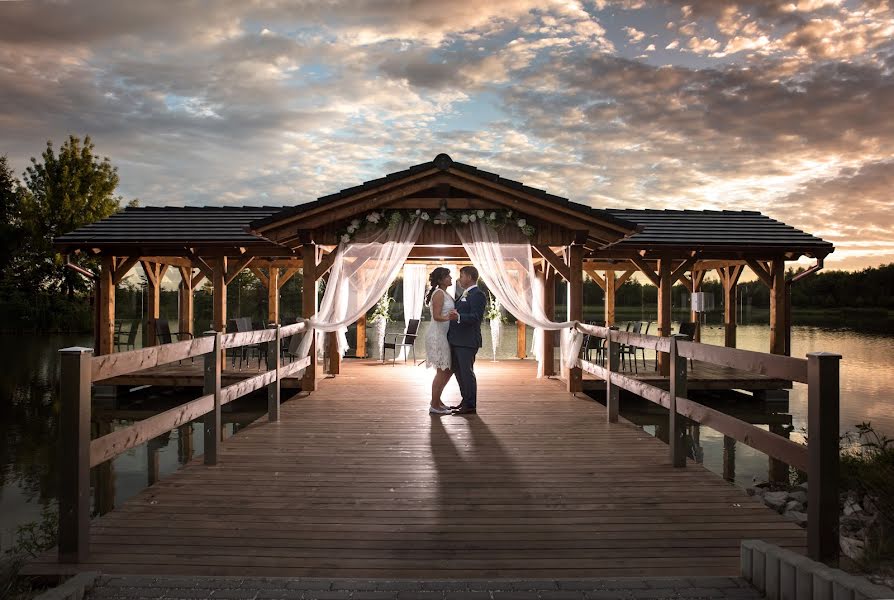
[[219, 295], [729, 458], [521, 339], [213, 429], [678, 389], [308, 310], [152, 464], [273, 296], [729, 278], [273, 390], [665, 268], [777, 470], [74, 441], [698, 277], [333, 353], [154, 275], [184, 443], [612, 391], [105, 306], [575, 261], [361, 337], [103, 475], [822, 460], [777, 307], [610, 284], [185, 314], [549, 309]]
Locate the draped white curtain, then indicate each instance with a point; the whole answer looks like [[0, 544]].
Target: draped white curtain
[[415, 286], [362, 272], [508, 270]]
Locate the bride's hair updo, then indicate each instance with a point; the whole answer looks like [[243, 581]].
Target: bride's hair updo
[[433, 279]]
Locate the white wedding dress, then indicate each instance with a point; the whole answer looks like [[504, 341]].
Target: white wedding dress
[[437, 348]]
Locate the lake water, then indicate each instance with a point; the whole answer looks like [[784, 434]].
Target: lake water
[[29, 414]]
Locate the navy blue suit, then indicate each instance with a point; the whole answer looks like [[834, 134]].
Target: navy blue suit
[[465, 339]]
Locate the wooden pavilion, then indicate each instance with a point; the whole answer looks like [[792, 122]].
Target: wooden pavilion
[[569, 240]]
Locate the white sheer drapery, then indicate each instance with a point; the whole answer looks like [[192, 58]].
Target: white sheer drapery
[[508, 270], [361, 273], [415, 286]]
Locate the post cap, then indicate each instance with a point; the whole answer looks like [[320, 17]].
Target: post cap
[[76, 350]]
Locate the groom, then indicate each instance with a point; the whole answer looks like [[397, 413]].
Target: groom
[[464, 336]]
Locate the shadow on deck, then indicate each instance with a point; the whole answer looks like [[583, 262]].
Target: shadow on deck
[[357, 480]]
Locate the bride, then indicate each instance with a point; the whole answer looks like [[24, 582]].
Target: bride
[[437, 348]]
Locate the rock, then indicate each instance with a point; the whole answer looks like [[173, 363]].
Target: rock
[[794, 505], [776, 500], [851, 506], [798, 496], [851, 524], [797, 517], [756, 491], [852, 548]]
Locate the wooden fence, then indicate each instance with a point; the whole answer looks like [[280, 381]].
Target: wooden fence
[[79, 369], [819, 371]]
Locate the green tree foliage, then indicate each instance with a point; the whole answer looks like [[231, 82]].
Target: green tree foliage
[[11, 233], [869, 288], [65, 192]]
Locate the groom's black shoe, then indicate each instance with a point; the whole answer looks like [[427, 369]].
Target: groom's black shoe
[[464, 410]]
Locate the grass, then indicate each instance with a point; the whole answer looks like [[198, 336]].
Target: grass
[[31, 539]]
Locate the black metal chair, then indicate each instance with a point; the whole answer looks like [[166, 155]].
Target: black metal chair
[[688, 329], [242, 325], [126, 338], [164, 335], [409, 341], [628, 350], [591, 343]]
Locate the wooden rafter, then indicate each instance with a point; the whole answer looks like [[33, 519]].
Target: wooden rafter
[[623, 278], [646, 270], [261, 276], [123, 268], [762, 271], [288, 274], [595, 277], [236, 267], [554, 261], [197, 279], [682, 268], [325, 263]]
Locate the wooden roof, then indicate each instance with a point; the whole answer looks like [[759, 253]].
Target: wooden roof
[[722, 233]]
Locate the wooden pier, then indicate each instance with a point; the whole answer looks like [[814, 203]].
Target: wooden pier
[[357, 480]]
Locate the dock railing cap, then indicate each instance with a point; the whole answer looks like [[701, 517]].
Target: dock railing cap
[[75, 350]]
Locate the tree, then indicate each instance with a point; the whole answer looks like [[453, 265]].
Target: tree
[[11, 230], [65, 192]]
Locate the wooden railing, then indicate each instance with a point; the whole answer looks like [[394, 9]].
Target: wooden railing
[[80, 369], [819, 371]]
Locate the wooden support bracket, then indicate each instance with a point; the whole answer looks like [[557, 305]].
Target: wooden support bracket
[[762, 272], [646, 270], [554, 261]]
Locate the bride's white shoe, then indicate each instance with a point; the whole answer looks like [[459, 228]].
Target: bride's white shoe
[[439, 411]]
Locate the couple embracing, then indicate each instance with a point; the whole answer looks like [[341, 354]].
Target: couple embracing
[[454, 337]]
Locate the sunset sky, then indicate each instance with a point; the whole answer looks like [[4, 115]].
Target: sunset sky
[[779, 106]]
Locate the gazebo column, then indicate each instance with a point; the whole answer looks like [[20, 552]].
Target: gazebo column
[[155, 273], [309, 309], [549, 309], [609, 288], [219, 293], [778, 324], [665, 285], [698, 277], [185, 313], [273, 296], [361, 337], [729, 277], [105, 302], [575, 261], [521, 337]]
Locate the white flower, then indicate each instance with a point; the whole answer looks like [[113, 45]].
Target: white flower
[[493, 216], [418, 211], [355, 223], [464, 218], [522, 222], [345, 238], [351, 229], [472, 218], [508, 213], [480, 214], [373, 217], [424, 216]]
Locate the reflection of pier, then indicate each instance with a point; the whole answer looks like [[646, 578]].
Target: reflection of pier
[[702, 376]]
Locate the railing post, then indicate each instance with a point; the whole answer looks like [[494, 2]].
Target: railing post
[[823, 455], [612, 391], [273, 390], [212, 386], [676, 429], [74, 438]]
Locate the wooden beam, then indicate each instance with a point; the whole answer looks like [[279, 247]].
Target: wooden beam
[[549, 308], [236, 267], [729, 277], [219, 296], [273, 296], [698, 277], [289, 273], [326, 262], [623, 278], [361, 337], [201, 264], [105, 299], [185, 313], [665, 285], [261, 277], [759, 270], [124, 266], [309, 309], [682, 268], [777, 307], [197, 279], [554, 261], [611, 286], [521, 335], [646, 270], [173, 261], [596, 277], [150, 271]]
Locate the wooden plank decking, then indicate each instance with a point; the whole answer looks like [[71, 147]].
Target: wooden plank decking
[[357, 480]]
